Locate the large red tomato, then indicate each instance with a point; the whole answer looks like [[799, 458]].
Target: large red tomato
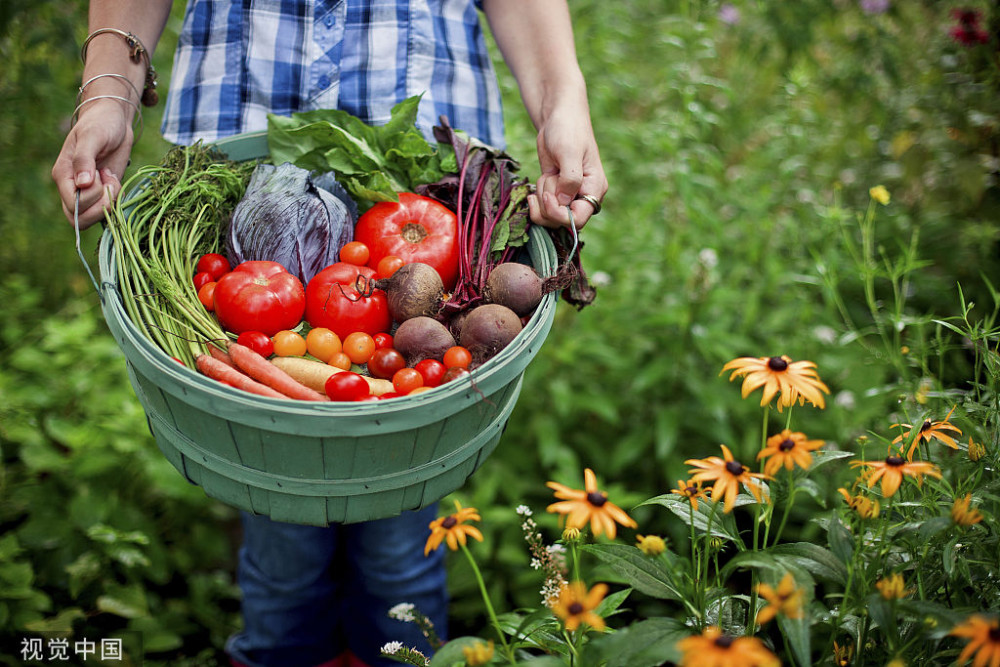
[[333, 302], [416, 229], [259, 296]]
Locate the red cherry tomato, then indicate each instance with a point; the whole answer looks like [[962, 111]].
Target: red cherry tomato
[[346, 386], [333, 302], [214, 264], [259, 296], [457, 357], [454, 373], [415, 229], [432, 371], [382, 340], [201, 278], [388, 265], [385, 361], [207, 296], [258, 341], [355, 253], [406, 380]]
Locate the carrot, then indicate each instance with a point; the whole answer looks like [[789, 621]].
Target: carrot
[[315, 374], [221, 355], [262, 370], [218, 370]]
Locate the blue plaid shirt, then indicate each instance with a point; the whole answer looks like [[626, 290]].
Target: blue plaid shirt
[[238, 61]]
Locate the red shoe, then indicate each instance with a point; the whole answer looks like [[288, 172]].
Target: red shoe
[[351, 660]]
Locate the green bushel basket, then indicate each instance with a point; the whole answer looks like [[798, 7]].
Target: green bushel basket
[[323, 463]]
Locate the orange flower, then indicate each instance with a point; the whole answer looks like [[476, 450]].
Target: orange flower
[[786, 599], [713, 649], [728, 474], [929, 430], [962, 515], [984, 636], [892, 470], [794, 380], [691, 490], [589, 505], [788, 449], [453, 529], [892, 587], [576, 605], [864, 506]]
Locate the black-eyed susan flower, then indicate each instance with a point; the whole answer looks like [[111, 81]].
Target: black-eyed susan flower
[[793, 380], [892, 587], [691, 490], [651, 545], [788, 449], [984, 640], [867, 508], [785, 599], [727, 474], [892, 470], [962, 514], [591, 505], [976, 451], [712, 648], [576, 605], [478, 653], [930, 430], [453, 529]]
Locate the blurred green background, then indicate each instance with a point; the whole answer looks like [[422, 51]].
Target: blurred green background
[[740, 141]]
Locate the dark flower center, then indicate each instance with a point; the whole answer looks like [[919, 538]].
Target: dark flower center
[[690, 490], [995, 634], [449, 522], [894, 461], [926, 425], [575, 609], [597, 498], [734, 468], [723, 641], [786, 445], [777, 364]]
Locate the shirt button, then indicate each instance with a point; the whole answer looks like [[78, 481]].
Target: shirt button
[[324, 81], [329, 21]]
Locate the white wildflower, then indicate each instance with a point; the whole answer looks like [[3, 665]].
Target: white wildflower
[[524, 510], [402, 611], [391, 648]]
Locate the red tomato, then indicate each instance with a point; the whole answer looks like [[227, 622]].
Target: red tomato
[[354, 252], [432, 371], [454, 373], [334, 303], [384, 362], [406, 380], [259, 296], [382, 340], [258, 341], [415, 229], [457, 357], [346, 386], [201, 278], [388, 265], [214, 264], [207, 295]]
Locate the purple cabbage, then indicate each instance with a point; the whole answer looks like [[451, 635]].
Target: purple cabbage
[[291, 216]]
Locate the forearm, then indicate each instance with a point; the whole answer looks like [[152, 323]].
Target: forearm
[[109, 53], [535, 38]]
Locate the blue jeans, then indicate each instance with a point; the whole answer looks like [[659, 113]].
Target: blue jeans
[[309, 593]]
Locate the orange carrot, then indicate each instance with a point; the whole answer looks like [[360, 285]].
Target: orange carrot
[[262, 370], [221, 355], [218, 370]]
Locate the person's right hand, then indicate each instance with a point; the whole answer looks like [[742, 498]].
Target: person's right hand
[[93, 159]]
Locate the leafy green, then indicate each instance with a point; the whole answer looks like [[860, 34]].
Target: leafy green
[[374, 162]]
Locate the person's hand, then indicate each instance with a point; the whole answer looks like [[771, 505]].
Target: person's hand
[[93, 159], [571, 167]]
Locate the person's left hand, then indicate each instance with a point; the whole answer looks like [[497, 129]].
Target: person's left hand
[[571, 167]]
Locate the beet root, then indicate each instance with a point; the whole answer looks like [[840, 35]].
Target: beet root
[[422, 337], [414, 290], [488, 329], [514, 285]]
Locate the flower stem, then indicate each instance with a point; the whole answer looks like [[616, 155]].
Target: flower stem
[[489, 605]]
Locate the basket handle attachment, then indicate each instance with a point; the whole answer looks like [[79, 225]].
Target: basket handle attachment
[[79, 252]]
